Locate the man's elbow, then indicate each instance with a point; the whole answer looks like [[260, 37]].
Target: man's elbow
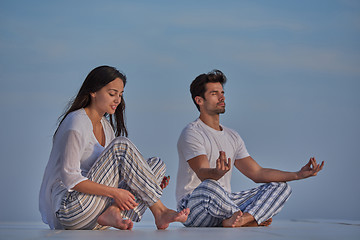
[[256, 179]]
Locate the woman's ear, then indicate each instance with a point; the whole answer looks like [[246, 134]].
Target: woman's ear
[[93, 94]]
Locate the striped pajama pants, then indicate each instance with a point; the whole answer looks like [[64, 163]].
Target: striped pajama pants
[[120, 165], [210, 204]]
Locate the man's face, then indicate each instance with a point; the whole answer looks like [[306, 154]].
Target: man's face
[[214, 102]]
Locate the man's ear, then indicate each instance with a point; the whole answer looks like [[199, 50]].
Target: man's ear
[[198, 100]]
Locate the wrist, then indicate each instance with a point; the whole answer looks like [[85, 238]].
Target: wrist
[[110, 192]]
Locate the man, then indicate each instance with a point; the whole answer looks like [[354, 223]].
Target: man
[[207, 153]]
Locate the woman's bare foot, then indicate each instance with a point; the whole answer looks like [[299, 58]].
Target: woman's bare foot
[[112, 217], [233, 221], [169, 216], [164, 216]]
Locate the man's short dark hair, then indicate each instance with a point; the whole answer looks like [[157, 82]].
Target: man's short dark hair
[[197, 87]]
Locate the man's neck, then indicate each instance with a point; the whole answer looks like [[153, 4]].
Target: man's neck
[[212, 121]]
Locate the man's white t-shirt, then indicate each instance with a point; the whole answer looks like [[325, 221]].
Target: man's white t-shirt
[[75, 149], [197, 139]]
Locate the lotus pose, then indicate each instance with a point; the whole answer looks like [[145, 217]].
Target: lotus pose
[[96, 177], [208, 151]]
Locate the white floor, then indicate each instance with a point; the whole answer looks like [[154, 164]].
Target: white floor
[[280, 229]]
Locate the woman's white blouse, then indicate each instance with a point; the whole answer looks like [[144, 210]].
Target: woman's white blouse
[[75, 149]]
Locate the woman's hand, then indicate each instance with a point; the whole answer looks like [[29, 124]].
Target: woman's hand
[[124, 199], [165, 182]]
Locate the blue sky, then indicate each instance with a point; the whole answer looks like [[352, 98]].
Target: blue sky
[[293, 71]]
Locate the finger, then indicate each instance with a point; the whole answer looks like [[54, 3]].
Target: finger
[[131, 204], [320, 166], [132, 196], [313, 163], [229, 163], [221, 163], [218, 163], [222, 155]]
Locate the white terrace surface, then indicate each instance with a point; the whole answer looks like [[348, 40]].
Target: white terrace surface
[[281, 229]]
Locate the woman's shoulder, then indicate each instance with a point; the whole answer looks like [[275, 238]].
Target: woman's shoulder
[[77, 120]]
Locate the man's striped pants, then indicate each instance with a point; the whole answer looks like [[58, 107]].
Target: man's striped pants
[[210, 204]]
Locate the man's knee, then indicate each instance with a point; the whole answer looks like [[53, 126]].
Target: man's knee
[[283, 187], [210, 183], [208, 192]]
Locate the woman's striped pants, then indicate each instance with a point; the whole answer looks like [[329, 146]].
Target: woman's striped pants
[[210, 204], [120, 165]]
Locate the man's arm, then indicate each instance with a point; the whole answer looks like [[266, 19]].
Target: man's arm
[[250, 168], [200, 165]]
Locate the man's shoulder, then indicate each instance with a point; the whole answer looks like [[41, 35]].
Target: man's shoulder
[[191, 130], [193, 126]]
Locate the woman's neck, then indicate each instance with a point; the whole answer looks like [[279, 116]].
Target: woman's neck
[[94, 115]]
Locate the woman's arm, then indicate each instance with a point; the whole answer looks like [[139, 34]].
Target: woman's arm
[[124, 199]]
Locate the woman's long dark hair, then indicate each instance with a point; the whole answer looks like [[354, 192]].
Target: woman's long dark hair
[[95, 80]]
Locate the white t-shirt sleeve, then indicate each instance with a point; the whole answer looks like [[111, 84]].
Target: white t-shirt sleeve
[[72, 147], [241, 151], [191, 144]]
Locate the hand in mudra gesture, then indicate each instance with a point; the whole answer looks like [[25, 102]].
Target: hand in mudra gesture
[[310, 169], [223, 165]]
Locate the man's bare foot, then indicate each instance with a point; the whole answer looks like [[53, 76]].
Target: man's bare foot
[[233, 221], [240, 219], [255, 224], [112, 217], [266, 223], [167, 216]]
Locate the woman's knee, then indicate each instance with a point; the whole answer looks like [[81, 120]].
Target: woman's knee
[[158, 168], [122, 139], [156, 163]]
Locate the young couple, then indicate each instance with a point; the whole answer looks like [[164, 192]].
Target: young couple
[[96, 177]]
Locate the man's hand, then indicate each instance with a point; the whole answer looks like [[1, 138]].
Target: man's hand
[[310, 169], [223, 165]]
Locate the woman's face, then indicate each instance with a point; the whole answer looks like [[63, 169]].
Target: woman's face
[[109, 97]]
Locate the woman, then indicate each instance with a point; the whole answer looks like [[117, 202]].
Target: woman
[[94, 180]]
